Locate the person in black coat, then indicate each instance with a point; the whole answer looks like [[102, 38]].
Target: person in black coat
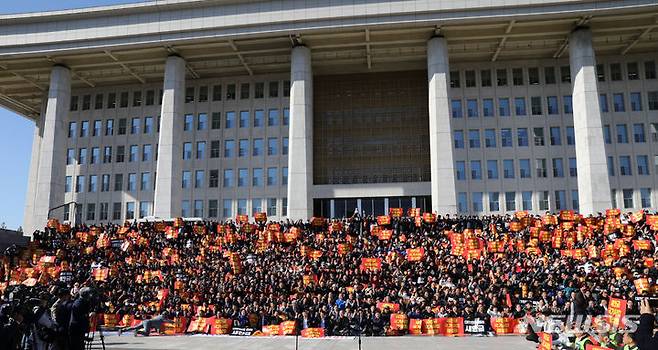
[[644, 337], [79, 324]]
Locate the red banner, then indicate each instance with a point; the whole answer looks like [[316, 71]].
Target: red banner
[[415, 254], [545, 341], [616, 312], [313, 333], [383, 220], [371, 264], [399, 322], [504, 325]]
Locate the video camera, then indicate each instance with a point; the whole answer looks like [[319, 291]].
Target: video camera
[[653, 300]]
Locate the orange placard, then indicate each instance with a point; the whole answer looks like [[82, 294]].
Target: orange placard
[[616, 312], [415, 254], [371, 264], [313, 333], [545, 341]]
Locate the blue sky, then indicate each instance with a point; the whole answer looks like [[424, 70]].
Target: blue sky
[[16, 132]]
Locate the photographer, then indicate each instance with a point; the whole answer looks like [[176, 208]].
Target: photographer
[[9, 328], [81, 307], [41, 329], [644, 337], [61, 313]]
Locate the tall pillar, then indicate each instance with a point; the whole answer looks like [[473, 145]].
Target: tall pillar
[[593, 181], [48, 190], [166, 201], [300, 154], [444, 197], [28, 220]]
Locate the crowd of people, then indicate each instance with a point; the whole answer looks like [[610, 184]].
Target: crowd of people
[[348, 276]]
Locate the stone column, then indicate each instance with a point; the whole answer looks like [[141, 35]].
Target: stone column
[[166, 201], [28, 221], [50, 165], [444, 197], [593, 181], [300, 155]]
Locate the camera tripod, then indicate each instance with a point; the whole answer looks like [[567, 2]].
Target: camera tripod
[[90, 342]]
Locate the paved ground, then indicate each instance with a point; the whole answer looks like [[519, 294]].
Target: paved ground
[[127, 341]]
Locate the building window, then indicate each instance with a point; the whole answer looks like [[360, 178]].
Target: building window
[[147, 153], [549, 75], [212, 208], [187, 150], [490, 138], [458, 138], [460, 168], [213, 180], [618, 102], [257, 177], [186, 179], [200, 150], [227, 208], [470, 78], [611, 166], [456, 108], [214, 149], [510, 201], [145, 183], [118, 182], [650, 70], [503, 107], [199, 179], [132, 182], [228, 178], [519, 106], [137, 98], [508, 168], [558, 167], [150, 97], [625, 165], [522, 137], [556, 138], [622, 133], [230, 120], [645, 197], [144, 209], [202, 121], [472, 108], [642, 164], [476, 170], [244, 91], [568, 108], [454, 79], [494, 201], [506, 137], [535, 105], [560, 200], [216, 120], [259, 115], [540, 165], [84, 128], [74, 103], [185, 208], [272, 146], [474, 138], [257, 149], [632, 71], [271, 176], [636, 101], [217, 93], [132, 156], [116, 211], [242, 207], [552, 105], [271, 207], [103, 215], [524, 169], [543, 200], [95, 155], [82, 156], [628, 198], [229, 148], [477, 201], [284, 147], [123, 99], [501, 77], [492, 169], [122, 126], [91, 212], [259, 90], [485, 78], [533, 76], [565, 74], [462, 201], [526, 200], [638, 133], [538, 135], [284, 176], [571, 137], [487, 107], [243, 148], [273, 89], [573, 167], [517, 76], [105, 183], [242, 177], [68, 184]]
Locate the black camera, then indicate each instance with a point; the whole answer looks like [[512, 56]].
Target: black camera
[[653, 300]]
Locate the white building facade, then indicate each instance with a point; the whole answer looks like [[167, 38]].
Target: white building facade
[[295, 108]]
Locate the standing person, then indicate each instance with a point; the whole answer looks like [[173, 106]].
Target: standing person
[[79, 323], [61, 314]]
